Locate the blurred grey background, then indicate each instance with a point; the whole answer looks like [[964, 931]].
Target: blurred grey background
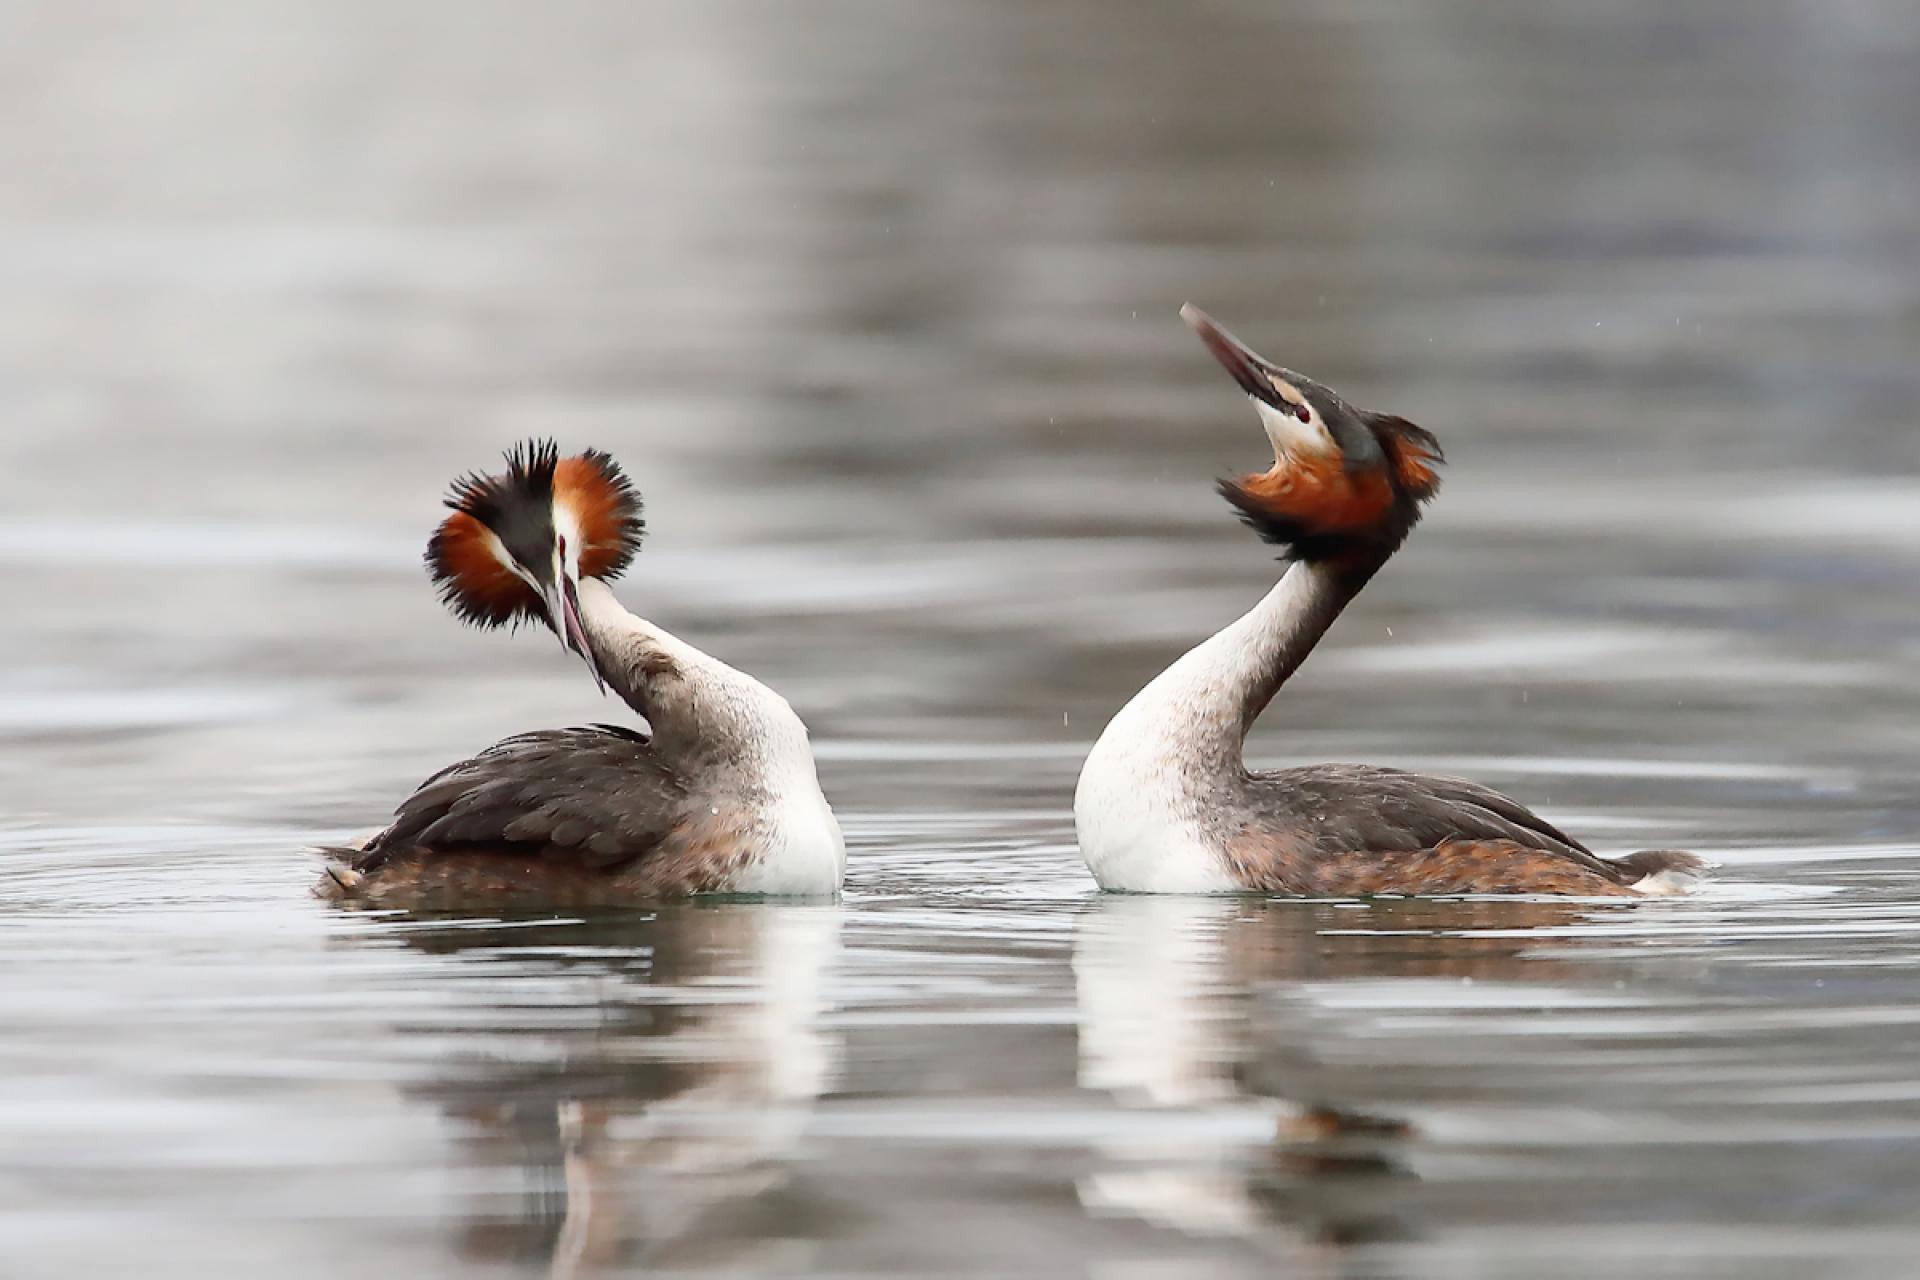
[[877, 303]]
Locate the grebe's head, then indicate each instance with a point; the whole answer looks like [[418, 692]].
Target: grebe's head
[[1344, 481], [518, 543]]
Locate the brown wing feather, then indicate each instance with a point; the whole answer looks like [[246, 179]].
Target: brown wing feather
[[1387, 824], [595, 798]]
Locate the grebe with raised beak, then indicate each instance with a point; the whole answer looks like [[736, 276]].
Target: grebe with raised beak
[[719, 796], [1165, 802]]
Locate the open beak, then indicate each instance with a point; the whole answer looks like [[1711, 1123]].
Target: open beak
[[563, 608], [1249, 369]]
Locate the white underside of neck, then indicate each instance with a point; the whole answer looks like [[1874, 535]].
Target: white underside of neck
[[1141, 807]]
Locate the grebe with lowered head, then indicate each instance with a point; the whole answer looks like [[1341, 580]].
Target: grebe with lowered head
[[720, 796], [1165, 802]]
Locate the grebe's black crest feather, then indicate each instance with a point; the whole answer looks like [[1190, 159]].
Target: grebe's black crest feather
[[528, 481], [1414, 449]]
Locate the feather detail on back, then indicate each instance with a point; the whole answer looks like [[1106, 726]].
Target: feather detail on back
[[592, 797]]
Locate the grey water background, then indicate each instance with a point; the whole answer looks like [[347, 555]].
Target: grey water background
[[877, 302]]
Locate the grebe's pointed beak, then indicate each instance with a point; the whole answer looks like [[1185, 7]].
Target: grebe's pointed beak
[[1251, 370], [563, 609]]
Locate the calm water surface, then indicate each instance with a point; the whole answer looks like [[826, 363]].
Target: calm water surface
[[877, 302]]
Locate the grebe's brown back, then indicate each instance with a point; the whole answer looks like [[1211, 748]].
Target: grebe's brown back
[[719, 796], [1165, 801]]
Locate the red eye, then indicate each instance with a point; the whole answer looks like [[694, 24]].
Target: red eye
[[1300, 412], [563, 544]]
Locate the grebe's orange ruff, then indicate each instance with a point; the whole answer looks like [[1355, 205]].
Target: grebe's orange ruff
[[720, 796], [1165, 802]]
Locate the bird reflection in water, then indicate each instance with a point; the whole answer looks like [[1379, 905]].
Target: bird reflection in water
[[641, 1081], [1216, 1009]]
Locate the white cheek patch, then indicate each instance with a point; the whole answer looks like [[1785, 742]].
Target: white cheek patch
[[1289, 434]]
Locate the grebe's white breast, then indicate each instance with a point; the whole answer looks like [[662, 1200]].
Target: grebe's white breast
[[801, 851], [1139, 807], [1138, 822]]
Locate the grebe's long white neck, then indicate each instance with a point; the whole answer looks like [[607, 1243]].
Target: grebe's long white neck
[[717, 721], [697, 704], [1152, 789]]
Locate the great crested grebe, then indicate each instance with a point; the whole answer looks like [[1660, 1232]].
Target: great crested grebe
[[1165, 802], [720, 797]]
